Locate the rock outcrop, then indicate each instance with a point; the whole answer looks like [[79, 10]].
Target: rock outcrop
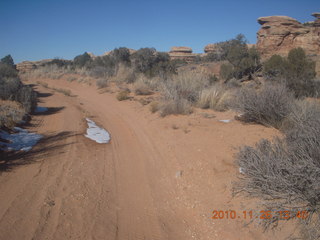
[[28, 66], [280, 34], [25, 66], [182, 53], [215, 48]]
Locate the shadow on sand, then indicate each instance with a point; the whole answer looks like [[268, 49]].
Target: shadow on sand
[[50, 145], [50, 111]]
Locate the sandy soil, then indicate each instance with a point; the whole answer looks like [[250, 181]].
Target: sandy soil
[[158, 178]]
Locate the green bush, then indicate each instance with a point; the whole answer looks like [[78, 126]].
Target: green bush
[[7, 60], [7, 71], [11, 87], [296, 71], [58, 62], [153, 63], [242, 61], [82, 60], [121, 55]]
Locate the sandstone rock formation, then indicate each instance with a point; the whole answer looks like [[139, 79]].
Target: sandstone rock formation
[[215, 48], [280, 34], [182, 53], [27, 66]]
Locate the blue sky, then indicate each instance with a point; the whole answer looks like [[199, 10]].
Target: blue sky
[[40, 29]]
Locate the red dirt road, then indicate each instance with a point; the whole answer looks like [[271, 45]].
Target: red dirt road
[[158, 178]]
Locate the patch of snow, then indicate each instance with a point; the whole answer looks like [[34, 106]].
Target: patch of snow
[[41, 109], [96, 133], [225, 121], [21, 140]]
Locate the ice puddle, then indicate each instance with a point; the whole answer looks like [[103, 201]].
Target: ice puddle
[[21, 140], [96, 133]]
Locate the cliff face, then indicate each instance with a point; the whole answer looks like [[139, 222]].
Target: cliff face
[[280, 34]]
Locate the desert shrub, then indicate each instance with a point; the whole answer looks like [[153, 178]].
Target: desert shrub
[[176, 106], [215, 97], [181, 91], [104, 66], [268, 106], [154, 106], [243, 62], [141, 87], [11, 113], [12, 89], [102, 82], [121, 55], [303, 126], [185, 85], [296, 71], [82, 60], [7, 71], [59, 63], [226, 71], [285, 172], [8, 60], [123, 95], [274, 67], [124, 74], [143, 59], [153, 63], [27, 97], [99, 72]]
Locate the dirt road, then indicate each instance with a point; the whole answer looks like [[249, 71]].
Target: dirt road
[[158, 178]]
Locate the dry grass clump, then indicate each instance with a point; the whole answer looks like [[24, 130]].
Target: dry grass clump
[[123, 95], [186, 85], [181, 91], [177, 106], [124, 74], [285, 172], [50, 71], [141, 87], [102, 82], [215, 97], [268, 106], [11, 113], [154, 106]]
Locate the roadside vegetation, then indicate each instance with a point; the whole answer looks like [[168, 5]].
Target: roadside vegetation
[[17, 100], [280, 92]]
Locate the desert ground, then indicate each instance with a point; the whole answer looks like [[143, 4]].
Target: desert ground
[[158, 178]]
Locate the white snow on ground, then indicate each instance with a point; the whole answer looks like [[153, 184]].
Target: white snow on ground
[[41, 109], [21, 140], [225, 121], [96, 133]]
